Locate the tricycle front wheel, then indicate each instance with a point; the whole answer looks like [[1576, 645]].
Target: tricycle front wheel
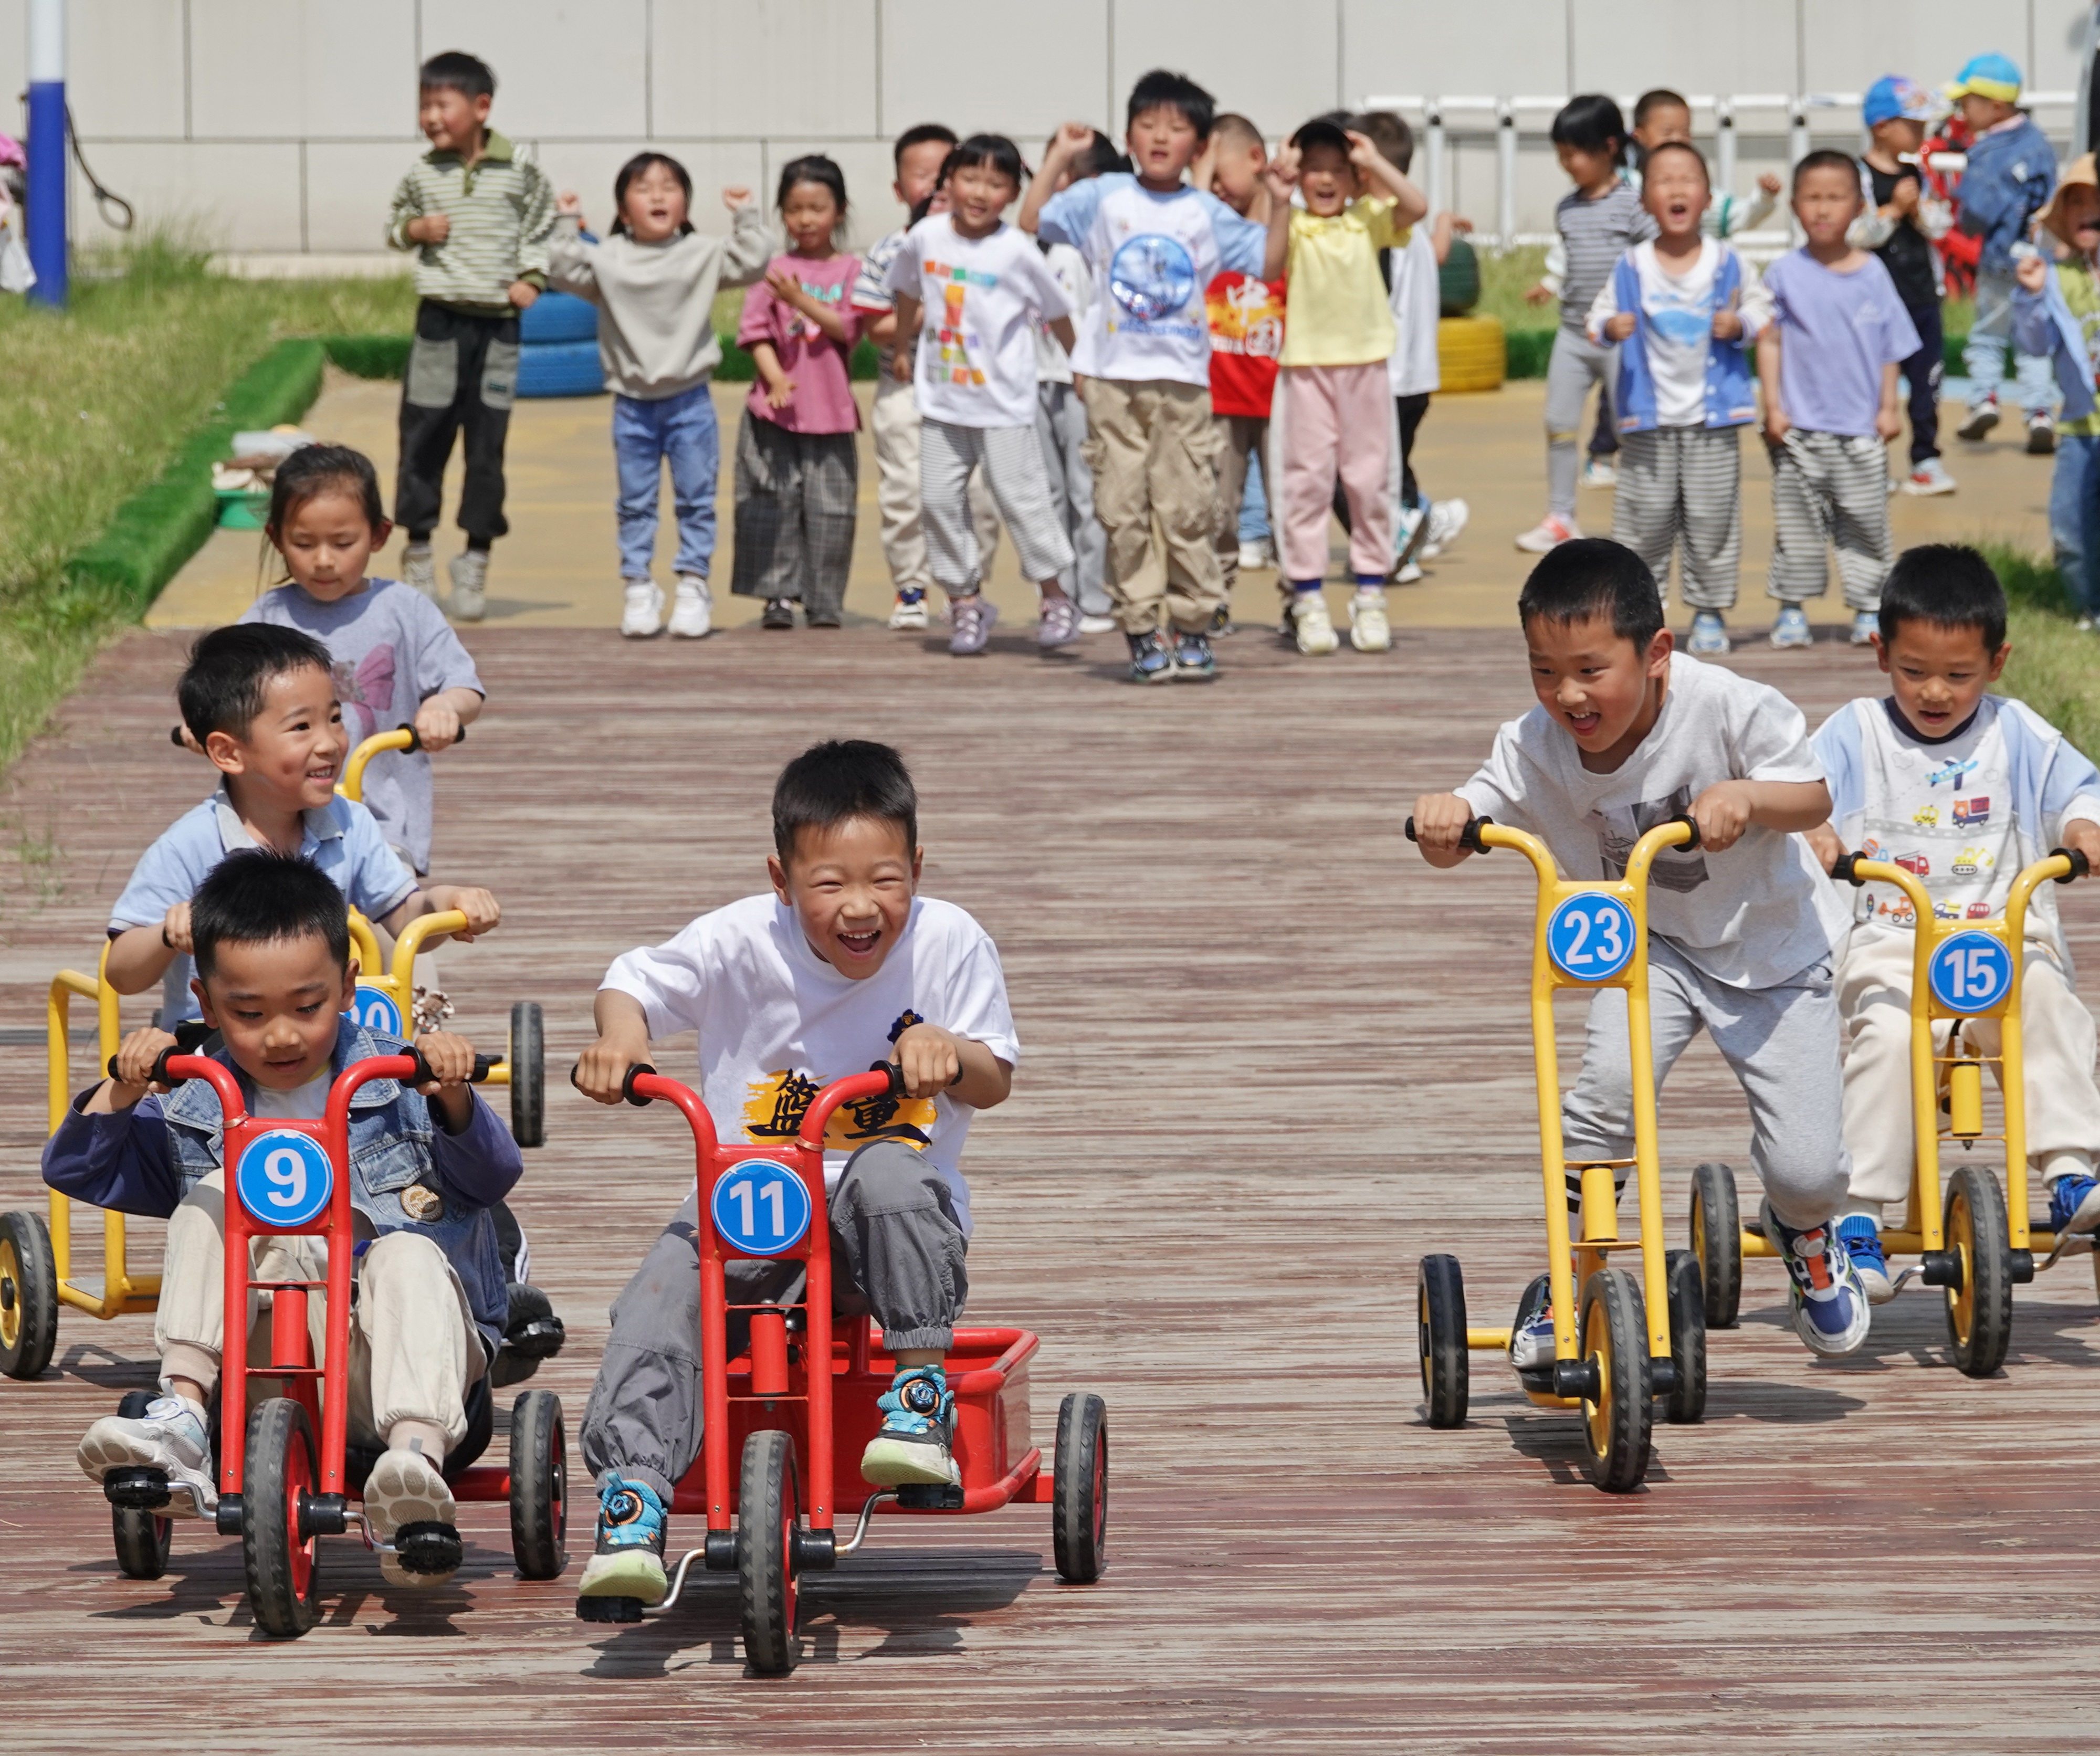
[[769, 1518], [1079, 1490]]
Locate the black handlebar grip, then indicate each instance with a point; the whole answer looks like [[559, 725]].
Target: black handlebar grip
[[1409, 830], [2080, 866], [627, 1085], [1470, 836], [423, 1074], [415, 738], [160, 1075], [1691, 823], [1844, 869], [175, 737], [896, 1072]]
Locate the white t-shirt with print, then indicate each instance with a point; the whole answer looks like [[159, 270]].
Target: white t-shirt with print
[[777, 1023], [1418, 302], [1068, 268], [1679, 309], [1750, 917], [983, 298]]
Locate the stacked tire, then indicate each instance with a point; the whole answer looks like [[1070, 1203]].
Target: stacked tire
[[558, 347]]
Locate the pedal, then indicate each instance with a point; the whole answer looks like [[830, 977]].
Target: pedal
[[540, 1340], [428, 1547], [930, 1497], [608, 1609], [136, 1490]]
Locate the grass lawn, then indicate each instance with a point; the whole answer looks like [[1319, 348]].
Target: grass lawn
[[100, 397]]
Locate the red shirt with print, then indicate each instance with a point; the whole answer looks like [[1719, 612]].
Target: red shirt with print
[[1247, 338]]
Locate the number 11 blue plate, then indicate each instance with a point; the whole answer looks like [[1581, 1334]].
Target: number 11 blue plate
[[761, 1208]]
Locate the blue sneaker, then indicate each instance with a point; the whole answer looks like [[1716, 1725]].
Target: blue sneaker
[[1151, 659], [911, 1446], [1531, 1339], [1862, 1239], [2074, 1203], [1709, 634], [1830, 1304], [628, 1560], [1792, 628]]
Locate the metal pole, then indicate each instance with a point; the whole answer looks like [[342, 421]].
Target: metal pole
[[1724, 145], [1505, 175], [1432, 167], [1796, 149], [45, 196]]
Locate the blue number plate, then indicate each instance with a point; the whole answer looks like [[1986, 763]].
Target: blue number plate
[[1971, 972], [374, 1008], [286, 1178], [1590, 937], [761, 1208]]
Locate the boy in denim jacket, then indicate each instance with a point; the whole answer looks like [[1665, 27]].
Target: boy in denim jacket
[[275, 976]]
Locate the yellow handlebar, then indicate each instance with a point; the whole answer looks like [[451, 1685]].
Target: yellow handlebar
[[401, 738], [1679, 831]]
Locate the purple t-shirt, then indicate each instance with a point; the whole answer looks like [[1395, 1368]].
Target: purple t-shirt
[[823, 388], [1837, 331]]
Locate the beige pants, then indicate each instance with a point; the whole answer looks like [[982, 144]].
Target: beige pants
[[1153, 449], [2057, 1044], [895, 424], [413, 1347]]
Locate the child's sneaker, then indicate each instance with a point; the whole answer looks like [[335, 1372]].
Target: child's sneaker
[[969, 620], [1928, 478], [419, 568], [1709, 634], [1221, 621], [1060, 625], [2074, 1203], [2041, 435], [1531, 1341], [1550, 533], [1828, 1303], [1368, 630], [469, 572], [405, 1490], [1151, 661], [1982, 416], [1097, 624], [1792, 628], [779, 612], [1447, 518], [170, 1436], [1256, 556], [911, 1447], [1596, 473], [909, 610], [693, 616], [1862, 1239], [1866, 624], [643, 615], [1193, 661], [1312, 627], [629, 1559]]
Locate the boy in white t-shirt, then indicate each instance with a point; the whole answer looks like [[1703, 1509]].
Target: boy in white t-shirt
[[1154, 244], [973, 290], [842, 965], [1963, 788], [1628, 734]]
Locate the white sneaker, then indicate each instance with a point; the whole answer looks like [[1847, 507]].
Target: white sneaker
[[1447, 518], [692, 616], [469, 572], [1368, 630], [419, 568], [1408, 574], [643, 614], [908, 613], [1596, 473], [1097, 624], [170, 1436], [1256, 556], [1929, 477], [1550, 533], [1313, 627]]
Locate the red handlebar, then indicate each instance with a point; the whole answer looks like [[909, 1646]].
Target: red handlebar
[[644, 1084]]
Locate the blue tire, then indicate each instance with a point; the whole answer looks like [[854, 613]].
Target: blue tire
[[560, 369], [558, 317]]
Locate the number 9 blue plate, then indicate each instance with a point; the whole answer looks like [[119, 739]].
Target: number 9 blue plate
[[1971, 972], [1590, 937], [761, 1208], [284, 1178]]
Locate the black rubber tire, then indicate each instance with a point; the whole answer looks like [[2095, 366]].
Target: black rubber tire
[[142, 1538], [1079, 1490], [1979, 1312], [528, 1075], [282, 1463], [1439, 1305], [539, 1486], [1686, 1406], [768, 1517], [28, 1295], [1616, 1428], [1717, 1242]]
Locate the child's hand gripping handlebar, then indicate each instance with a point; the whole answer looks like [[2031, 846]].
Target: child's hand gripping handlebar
[[410, 1068], [1482, 833], [1469, 837]]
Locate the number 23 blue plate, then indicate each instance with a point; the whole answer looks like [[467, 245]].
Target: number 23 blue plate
[[1590, 937]]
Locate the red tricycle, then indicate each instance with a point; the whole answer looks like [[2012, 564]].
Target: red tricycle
[[277, 1491], [792, 1425]]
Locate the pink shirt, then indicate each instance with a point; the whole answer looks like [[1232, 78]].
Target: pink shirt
[[823, 388]]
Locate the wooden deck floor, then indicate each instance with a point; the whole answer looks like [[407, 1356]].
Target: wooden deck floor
[[1270, 1060]]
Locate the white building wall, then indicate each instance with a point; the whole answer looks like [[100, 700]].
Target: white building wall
[[281, 126]]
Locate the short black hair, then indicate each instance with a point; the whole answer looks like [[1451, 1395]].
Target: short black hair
[[1826, 158], [1698, 158], [923, 135], [1593, 576], [1160, 90], [460, 72], [633, 169], [1948, 584], [1322, 131], [1661, 98], [1593, 124], [993, 152], [313, 470], [257, 896], [222, 688], [839, 779], [1390, 134], [815, 168], [1103, 156]]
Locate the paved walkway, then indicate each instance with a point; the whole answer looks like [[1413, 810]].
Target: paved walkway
[[558, 567]]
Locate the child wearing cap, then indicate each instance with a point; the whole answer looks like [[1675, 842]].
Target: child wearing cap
[[2057, 316], [2011, 171], [1901, 225]]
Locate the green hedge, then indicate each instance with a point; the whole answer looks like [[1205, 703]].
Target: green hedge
[[370, 356], [160, 526]]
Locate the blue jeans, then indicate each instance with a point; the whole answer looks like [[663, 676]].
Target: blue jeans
[[680, 428], [1254, 504], [1984, 356], [2074, 519]]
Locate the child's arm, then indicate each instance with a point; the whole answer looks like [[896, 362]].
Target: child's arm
[[1070, 142], [1825, 843], [443, 716], [408, 225], [834, 325], [483, 912], [1443, 230], [935, 1061], [1776, 424], [906, 316], [139, 956], [750, 244], [108, 1151], [536, 229], [1888, 418], [569, 259], [1440, 818], [1553, 277], [1408, 203], [1606, 322], [780, 388], [1281, 177], [1061, 329], [1728, 808], [623, 1041]]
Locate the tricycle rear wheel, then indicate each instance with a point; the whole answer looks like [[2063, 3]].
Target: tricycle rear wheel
[[1079, 1490], [1686, 1405], [1717, 1242], [1440, 1318], [769, 1518], [28, 1295], [539, 1486], [1979, 1312], [528, 1075], [283, 1573], [142, 1538], [1617, 1419]]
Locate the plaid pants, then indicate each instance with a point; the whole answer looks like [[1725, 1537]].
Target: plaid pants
[[1684, 485], [1830, 488], [796, 498]]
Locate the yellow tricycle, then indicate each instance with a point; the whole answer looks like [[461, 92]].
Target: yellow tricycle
[[1629, 1340]]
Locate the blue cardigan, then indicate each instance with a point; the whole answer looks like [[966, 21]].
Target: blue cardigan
[[1731, 397], [2042, 323]]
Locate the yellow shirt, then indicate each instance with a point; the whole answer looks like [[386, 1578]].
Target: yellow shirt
[[1340, 312]]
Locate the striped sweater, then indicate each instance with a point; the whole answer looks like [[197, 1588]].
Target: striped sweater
[[502, 215]]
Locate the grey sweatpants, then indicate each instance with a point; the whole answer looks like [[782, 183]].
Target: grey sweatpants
[[1830, 489], [1682, 487], [1061, 424], [1576, 362], [897, 1249], [1012, 458], [1782, 1043]]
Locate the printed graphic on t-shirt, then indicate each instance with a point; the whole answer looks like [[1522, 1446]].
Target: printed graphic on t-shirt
[[775, 1108], [800, 328], [1152, 278], [952, 333], [366, 692], [1246, 317], [1619, 827]]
